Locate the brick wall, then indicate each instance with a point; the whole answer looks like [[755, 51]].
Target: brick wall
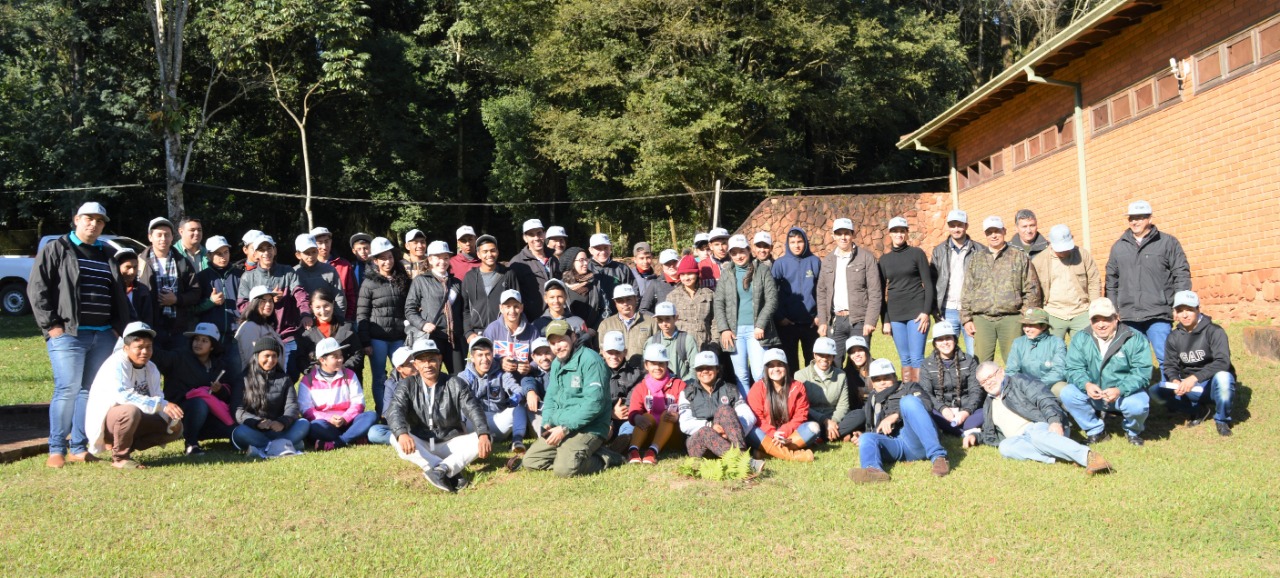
[[1210, 164], [870, 214]]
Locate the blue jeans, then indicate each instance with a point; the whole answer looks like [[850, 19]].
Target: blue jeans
[[75, 361], [953, 315], [1039, 444], [1084, 410], [917, 440], [748, 358], [322, 430], [909, 341], [808, 431], [290, 348], [380, 435], [1222, 390], [244, 436], [381, 350], [196, 424], [1157, 333]]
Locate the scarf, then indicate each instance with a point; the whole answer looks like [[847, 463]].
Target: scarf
[[656, 398]]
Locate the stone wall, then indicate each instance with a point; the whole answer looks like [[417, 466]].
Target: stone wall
[[870, 214]]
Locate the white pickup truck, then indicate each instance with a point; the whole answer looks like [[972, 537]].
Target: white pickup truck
[[14, 271]]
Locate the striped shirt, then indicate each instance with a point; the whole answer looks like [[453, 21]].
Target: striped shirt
[[94, 286]]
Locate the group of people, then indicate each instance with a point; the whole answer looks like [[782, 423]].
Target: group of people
[[602, 363]]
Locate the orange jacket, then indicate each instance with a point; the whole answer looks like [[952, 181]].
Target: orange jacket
[[797, 407]]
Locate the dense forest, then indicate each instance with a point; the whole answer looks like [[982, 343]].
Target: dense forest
[[475, 101]]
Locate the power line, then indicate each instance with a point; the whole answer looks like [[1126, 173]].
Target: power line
[[78, 189], [833, 187]]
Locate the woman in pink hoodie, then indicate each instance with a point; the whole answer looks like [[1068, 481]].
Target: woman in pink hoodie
[[331, 398], [654, 411]]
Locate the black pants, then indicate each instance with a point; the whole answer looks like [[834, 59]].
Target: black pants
[[795, 337]]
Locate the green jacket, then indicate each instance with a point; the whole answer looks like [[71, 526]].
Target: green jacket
[[578, 394], [680, 348], [1044, 359], [1126, 365], [828, 398], [1002, 283]]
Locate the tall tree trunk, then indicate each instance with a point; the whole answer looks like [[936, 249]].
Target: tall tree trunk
[[306, 172], [167, 24]]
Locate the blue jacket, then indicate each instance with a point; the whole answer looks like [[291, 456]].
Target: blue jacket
[[797, 280]]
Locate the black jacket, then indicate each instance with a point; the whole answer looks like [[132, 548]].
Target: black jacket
[[956, 387], [704, 405], [617, 271], [183, 372], [595, 303], [480, 309], [305, 357], [380, 309], [1141, 280], [282, 402], [881, 405], [1026, 397], [621, 381], [188, 292], [531, 275], [451, 400], [54, 294], [142, 303], [426, 303], [1201, 352]]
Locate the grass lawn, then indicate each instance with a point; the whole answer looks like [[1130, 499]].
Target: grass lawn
[[1189, 503]]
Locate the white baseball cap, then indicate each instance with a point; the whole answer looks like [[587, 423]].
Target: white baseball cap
[[664, 309], [258, 291], [705, 359], [380, 245], [421, 346], [992, 222], [257, 242], [613, 341], [321, 231], [958, 215], [1101, 307], [1060, 239], [896, 222], [738, 242], [160, 222], [701, 238], [1139, 208], [762, 237], [328, 345], [532, 224], [623, 291], [668, 255], [250, 236], [1186, 298], [856, 341], [773, 355], [600, 239], [881, 367], [656, 353], [556, 231], [138, 328], [510, 294], [206, 329], [414, 234], [401, 356], [824, 346], [463, 231], [215, 242], [717, 233], [943, 329], [438, 248], [539, 343], [842, 224], [478, 341], [303, 242], [92, 208]]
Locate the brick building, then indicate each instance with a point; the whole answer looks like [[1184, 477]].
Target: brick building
[[1203, 149]]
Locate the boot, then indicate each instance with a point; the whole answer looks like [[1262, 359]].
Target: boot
[[1096, 464], [795, 442], [911, 374], [782, 452]]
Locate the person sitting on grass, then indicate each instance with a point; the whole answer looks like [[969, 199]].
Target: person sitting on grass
[[402, 359], [895, 407], [575, 414], [1108, 369], [328, 324], [534, 385], [331, 398], [200, 380], [126, 405], [1025, 421], [712, 415], [781, 408], [1197, 365], [623, 376], [1038, 353], [259, 322], [267, 407], [679, 345], [827, 389], [653, 409], [856, 364], [498, 392], [949, 377], [428, 416]]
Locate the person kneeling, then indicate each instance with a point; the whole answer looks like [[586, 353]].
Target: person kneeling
[[781, 407], [126, 405], [711, 413], [1024, 420], [331, 398], [426, 417], [899, 407], [653, 408]]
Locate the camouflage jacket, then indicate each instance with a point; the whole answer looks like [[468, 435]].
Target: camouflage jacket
[[1002, 283]]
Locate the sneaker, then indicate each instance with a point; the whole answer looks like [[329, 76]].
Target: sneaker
[[757, 466], [1097, 438], [1224, 428], [1133, 439], [328, 446], [940, 466], [651, 456], [1096, 464], [1202, 413], [195, 450], [868, 475], [439, 477], [517, 447], [459, 482], [633, 455]]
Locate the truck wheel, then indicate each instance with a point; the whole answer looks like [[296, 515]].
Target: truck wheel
[[13, 299]]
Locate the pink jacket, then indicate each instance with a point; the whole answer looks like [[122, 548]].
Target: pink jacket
[[321, 398]]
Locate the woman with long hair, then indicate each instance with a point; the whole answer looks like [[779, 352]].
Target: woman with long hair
[[434, 308], [745, 300], [781, 407], [267, 407], [328, 323], [589, 294], [380, 311], [259, 321], [201, 380]]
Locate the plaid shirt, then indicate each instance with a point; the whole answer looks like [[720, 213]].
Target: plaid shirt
[[694, 314], [166, 278]]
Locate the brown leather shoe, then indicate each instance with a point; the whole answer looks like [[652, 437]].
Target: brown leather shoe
[[55, 461], [940, 466], [868, 475], [85, 458], [1096, 464]]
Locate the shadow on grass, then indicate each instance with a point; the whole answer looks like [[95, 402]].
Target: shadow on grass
[[22, 326]]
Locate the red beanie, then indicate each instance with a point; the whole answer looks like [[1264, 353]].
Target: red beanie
[[687, 265]]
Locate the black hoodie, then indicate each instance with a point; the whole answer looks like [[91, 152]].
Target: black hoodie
[[1202, 352]]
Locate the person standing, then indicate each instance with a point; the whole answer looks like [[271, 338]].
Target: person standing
[[908, 298], [745, 302], [219, 289], [948, 263], [762, 247], [415, 254], [717, 254], [191, 236], [483, 287], [434, 308], [534, 266], [380, 311], [346, 271], [314, 274], [663, 281], [695, 304], [796, 275], [557, 240], [359, 243], [1145, 269], [1028, 240], [466, 259], [850, 289], [79, 303], [172, 280], [602, 262], [292, 308], [999, 284], [1069, 280]]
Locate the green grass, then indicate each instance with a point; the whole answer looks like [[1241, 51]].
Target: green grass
[[1189, 503], [24, 362]]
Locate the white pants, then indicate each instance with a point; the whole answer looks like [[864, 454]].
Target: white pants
[[500, 424], [455, 454]]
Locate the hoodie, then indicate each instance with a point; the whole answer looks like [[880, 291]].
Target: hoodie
[[1202, 352], [496, 390], [797, 278]]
